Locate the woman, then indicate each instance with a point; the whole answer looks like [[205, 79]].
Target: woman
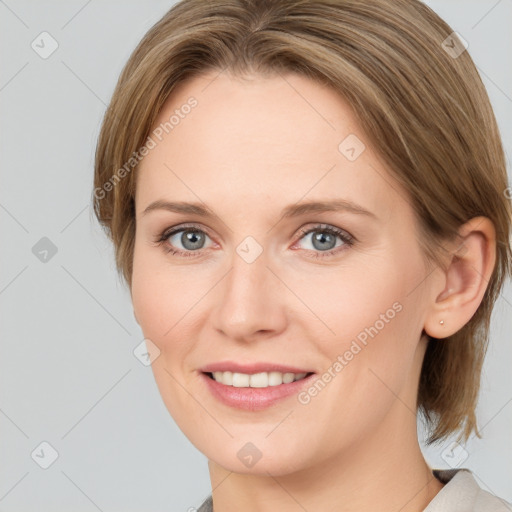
[[242, 137]]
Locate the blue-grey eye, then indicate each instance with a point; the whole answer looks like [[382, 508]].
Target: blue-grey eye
[[190, 239], [323, 239]]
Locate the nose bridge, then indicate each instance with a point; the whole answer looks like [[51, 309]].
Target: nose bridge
[[249, 302], [250, 270]]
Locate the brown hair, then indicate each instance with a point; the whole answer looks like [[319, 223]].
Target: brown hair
[[419, 100]]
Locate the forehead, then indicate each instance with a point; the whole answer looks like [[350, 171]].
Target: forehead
[[266, 138]]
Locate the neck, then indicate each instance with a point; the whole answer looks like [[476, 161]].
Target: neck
[[386, 472], [389, 479], [381, 470]]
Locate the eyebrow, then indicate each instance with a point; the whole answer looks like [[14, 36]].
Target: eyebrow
[[294, 210]]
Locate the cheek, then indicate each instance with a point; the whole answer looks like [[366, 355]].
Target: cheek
[[160, 292], [162, 297], [369, 346], [367, 315], [349, 298]]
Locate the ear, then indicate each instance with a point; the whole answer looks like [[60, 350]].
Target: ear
[[135, 316], [461, 291]]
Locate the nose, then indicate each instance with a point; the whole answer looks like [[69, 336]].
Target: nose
[[251, 301]]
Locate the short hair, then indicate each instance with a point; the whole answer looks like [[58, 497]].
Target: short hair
[[417, 96]]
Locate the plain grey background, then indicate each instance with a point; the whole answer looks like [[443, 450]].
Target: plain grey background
[[69, 377]]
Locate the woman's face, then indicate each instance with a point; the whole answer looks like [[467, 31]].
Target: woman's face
[[262, 279]]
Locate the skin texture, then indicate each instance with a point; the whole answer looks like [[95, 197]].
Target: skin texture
[[248, 149]]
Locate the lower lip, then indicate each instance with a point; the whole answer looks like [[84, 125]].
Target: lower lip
[[253, 399]]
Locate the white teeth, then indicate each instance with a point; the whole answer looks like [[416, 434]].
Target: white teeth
[[240, 380], [288, 377], [256, 380], [275, 378]]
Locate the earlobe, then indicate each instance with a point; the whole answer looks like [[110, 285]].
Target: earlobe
[[466, 279]]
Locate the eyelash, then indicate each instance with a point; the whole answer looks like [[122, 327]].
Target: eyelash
[[347, 239]]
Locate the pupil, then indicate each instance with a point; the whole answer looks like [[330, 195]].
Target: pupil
[[322, 238], [191, 240]]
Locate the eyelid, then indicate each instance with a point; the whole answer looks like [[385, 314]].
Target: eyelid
[[326, 227], [347, 238], [164, 236], [183, 227]]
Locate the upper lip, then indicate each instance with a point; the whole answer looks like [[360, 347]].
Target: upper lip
[[230, 366]]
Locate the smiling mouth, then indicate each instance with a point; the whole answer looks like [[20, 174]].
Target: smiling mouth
[[256, 380]]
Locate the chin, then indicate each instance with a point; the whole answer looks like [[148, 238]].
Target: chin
[[276, 465], [255, 455]]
